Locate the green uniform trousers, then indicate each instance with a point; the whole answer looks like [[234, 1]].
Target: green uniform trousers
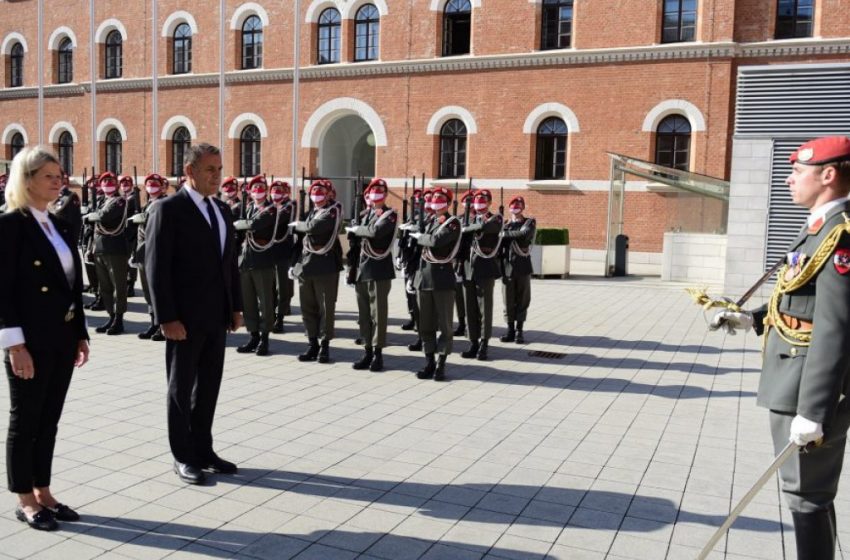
[[258, 299], [460, 304], [318, 304], [479, 308], [372, 311], [146, 289], [112, 279], [285, 289], [436, 311], [516, 293]]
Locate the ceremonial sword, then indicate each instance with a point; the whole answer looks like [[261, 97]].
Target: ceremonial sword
[[701, 297]]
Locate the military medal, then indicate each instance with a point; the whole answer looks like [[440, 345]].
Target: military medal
[[795, 265], [841, 260]]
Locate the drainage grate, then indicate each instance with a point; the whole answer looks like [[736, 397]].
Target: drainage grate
[[548, 355]]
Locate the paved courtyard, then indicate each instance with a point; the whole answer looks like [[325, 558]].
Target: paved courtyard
[[632, 444]]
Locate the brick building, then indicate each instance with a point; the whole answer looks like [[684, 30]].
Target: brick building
[[527, 95]]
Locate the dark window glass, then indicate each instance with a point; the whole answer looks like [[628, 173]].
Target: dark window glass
[[673, 142], [453, 150], [366, 33], [180, 142], [113, 151], [680, 21], [252, 43], [182, 51], [794, 18], [249, 150], [114, 55], [16, 65], [551, 161], [557, 24], [66, 152], [66, 62], [330, 26], [457, 27], [16, 143]]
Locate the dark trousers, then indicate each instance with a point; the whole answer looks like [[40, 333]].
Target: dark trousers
[[318, 304], [194, 369], [112, 277], [436, 313], [34, 413], [91, 274], [460, 303], [285, 288], [479, 308], [516, 293], [258, 299], [372, 311], [146, 289], [132, 273]]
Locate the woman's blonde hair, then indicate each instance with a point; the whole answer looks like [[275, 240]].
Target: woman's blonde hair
[[25, 165]]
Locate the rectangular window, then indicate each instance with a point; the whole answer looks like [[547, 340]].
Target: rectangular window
[[557, 25], [794, 19], [366, 42], [679, 22]]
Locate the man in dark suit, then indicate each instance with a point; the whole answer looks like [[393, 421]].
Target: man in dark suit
[[190, 261]]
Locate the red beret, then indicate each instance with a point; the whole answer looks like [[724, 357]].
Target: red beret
[[444, 192], [154, 177], [428, 193], [258, 180], [467, 196], [822, 150], [485, 193], [319, 184], [417, 193], [230, 183], [107, 175], [377, 182], [125, 178], [518, 200], [282, 184]]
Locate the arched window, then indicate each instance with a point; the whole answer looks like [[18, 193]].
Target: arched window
[[457, 27], [252, 43], [794, 18], [453, 149], [65, 54], [113, 151], [182, 50], [673, 142], [366, 33], [680, 21], [557, 24], [66, 152], [249, 150], [551, 161], [180, 142], [114, 54], [16, 144], [16, 65], [330, 26]]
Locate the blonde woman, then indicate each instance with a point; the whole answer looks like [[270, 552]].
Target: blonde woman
[[42, 330]]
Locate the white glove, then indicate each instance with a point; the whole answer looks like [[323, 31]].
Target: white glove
[[299, 226], [407, 227], [138, 218], [350, 229], [398, 263], [409, 288], [416, 235], [804, 431], [731, 321], [242, 225], [92, 217], [291, 273], [458, 278]]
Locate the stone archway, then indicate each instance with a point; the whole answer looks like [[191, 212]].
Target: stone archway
[[346, 149]]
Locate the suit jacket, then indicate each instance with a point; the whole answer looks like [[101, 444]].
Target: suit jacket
[[34, 292], [190, 279]]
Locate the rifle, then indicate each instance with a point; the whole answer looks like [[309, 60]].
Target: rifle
[[404, 204], [422, 206], [243, 212], [84, 194], [502, 201], [353, 256], [468, 208], [302, 197], [454, 202], [135, 177]]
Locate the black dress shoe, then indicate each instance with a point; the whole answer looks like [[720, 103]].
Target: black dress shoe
[[42, 521], [61, 512], [409, 326], [416, 346], [219, 465], [105, 326], [188, 473]]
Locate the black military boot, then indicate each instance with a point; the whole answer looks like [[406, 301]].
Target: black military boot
[[482, 350], [278, 325], [461, 329], [378, 361], [263, 346], [520, 339], [509, 336], [364, 362], [324, 351], [131, 291], [117, 326], [472, 352], [312, 351], [106, 326], [409, 326], [96, 304], [416, 346], [440, 372], [251, 345], [158, 336], [430, 366], [815, 535], [146, 335]]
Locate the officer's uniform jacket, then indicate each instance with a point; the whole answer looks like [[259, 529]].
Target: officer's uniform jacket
[[284, 239], [485, 240], [139, 251], [261, 234], [376, 259], [810, 379], [517, 238], [113, 218], [320, 228], [67, 207], [439, 243]]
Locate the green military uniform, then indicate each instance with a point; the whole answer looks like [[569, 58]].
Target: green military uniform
[[283, 261], [112, 254], [87, 248], [133, 208], [409, 255], [517, 238], [480, 272], [68, 207], [257, 274]]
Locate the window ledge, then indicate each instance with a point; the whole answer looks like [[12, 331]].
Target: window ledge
[[551, 185], [461, 182]]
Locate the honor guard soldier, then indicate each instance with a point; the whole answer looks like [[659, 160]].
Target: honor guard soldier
[[3, 179], [318, 269], [806, 373], [112, 253], [256, 267], [517, 238], [435, 282], [155, 187], [480, 271], [407, 262], [281, 197], [128, 186], [68, 207], [87, 244], [462, 256], [230, 195], [375, 273]]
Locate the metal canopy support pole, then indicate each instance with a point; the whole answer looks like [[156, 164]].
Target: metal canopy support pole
[[221, 84], [154, 88], [296, 94], [93, 80], [40, 45], [616, 200]]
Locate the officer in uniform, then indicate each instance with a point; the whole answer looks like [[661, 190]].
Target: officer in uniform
[[806, 373], [256, 267], [318, 269], [517, 238], [281, 197], [87, 244], [374, 273], [463, 255], [435, 282], [480, 271], [68, 207], [112, 253], [128, 186], [155, 187], [407, 262]]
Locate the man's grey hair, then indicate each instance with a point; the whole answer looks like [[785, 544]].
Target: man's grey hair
[[197, 151]]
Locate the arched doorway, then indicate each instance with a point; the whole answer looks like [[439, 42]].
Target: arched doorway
[[347, 148]]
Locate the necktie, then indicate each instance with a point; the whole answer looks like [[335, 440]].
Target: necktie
[[213, 223], [46, 226]]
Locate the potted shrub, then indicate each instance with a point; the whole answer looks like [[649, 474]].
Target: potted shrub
[[550, 254]]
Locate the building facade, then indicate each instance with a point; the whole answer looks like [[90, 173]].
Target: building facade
[[527, 96]]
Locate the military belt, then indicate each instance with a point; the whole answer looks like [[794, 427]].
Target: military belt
[[791, 322]]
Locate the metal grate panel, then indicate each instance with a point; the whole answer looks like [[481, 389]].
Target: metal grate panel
[[784, 218], [548, 355]]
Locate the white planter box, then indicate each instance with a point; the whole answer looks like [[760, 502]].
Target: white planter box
[[548, 260]]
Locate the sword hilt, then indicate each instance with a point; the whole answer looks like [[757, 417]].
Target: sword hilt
[[701, 298]]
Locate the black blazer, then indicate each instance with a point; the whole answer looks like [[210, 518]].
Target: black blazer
[[190, 281], [34, 292]]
